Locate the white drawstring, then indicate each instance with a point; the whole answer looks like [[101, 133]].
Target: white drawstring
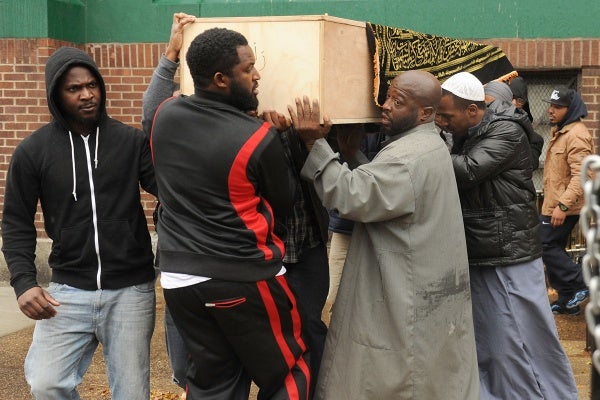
[[73, 164], [96, 152], [73, 159]]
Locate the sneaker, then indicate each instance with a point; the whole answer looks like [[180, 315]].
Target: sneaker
[[578, 298], [558, 308]]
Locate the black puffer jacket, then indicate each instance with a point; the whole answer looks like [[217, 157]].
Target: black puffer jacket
[[493, 173]]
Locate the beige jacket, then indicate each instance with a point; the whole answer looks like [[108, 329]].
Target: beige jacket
[[562, 169]]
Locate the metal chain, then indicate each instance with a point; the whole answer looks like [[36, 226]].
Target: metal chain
[[590, 216]]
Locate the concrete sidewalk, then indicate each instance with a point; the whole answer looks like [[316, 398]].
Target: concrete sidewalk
[[13, 319]]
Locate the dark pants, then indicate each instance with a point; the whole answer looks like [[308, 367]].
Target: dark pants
[[238, 332], [309, 279], [564, 275]]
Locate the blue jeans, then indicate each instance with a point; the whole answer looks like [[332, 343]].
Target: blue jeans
[[121, 320], [176, 350]]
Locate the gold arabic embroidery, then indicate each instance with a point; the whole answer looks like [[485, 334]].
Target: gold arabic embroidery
[[397, 50]]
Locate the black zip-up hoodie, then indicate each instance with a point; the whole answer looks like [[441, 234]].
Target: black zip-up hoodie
[[89, 192]]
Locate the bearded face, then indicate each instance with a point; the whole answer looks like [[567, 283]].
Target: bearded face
[[243, 98]]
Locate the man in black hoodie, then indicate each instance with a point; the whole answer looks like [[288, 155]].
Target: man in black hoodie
[[85, 169]]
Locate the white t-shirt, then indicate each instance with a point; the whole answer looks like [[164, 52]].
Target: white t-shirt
[[174, 280]]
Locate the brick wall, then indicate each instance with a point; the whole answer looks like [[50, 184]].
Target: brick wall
[[127, 69]]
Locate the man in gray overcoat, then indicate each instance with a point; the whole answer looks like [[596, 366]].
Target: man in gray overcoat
[[402, 323]]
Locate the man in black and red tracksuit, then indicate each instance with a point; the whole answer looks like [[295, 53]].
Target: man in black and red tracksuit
[[224, 184]]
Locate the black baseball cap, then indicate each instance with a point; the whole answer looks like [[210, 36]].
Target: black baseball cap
[[560, 97]]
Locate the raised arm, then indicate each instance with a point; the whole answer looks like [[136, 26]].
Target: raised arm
[[162, 84]]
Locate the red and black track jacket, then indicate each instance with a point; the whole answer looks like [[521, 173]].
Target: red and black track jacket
[[223, 184]]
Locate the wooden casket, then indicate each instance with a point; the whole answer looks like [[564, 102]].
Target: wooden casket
[[320, 56]]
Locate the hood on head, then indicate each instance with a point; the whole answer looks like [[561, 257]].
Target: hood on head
[[57, 65], [498, 90], [569, 98], [519, 88]]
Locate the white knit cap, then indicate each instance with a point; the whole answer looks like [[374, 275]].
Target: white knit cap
[[466, 86]]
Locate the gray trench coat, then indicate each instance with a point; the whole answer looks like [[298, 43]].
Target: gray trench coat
[[402, 323]]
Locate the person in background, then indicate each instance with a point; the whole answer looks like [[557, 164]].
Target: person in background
[[86, 170], [340, 228], [495, 90], [340, 232], [225, 186], [518, 350], [401, 327], [570, 143], [162, 86], [518, 87], [520, 99], [305, 257]]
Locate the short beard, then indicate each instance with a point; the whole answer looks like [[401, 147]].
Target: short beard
[[404, 125], [76, 120], [241, 98], [87, 121]]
